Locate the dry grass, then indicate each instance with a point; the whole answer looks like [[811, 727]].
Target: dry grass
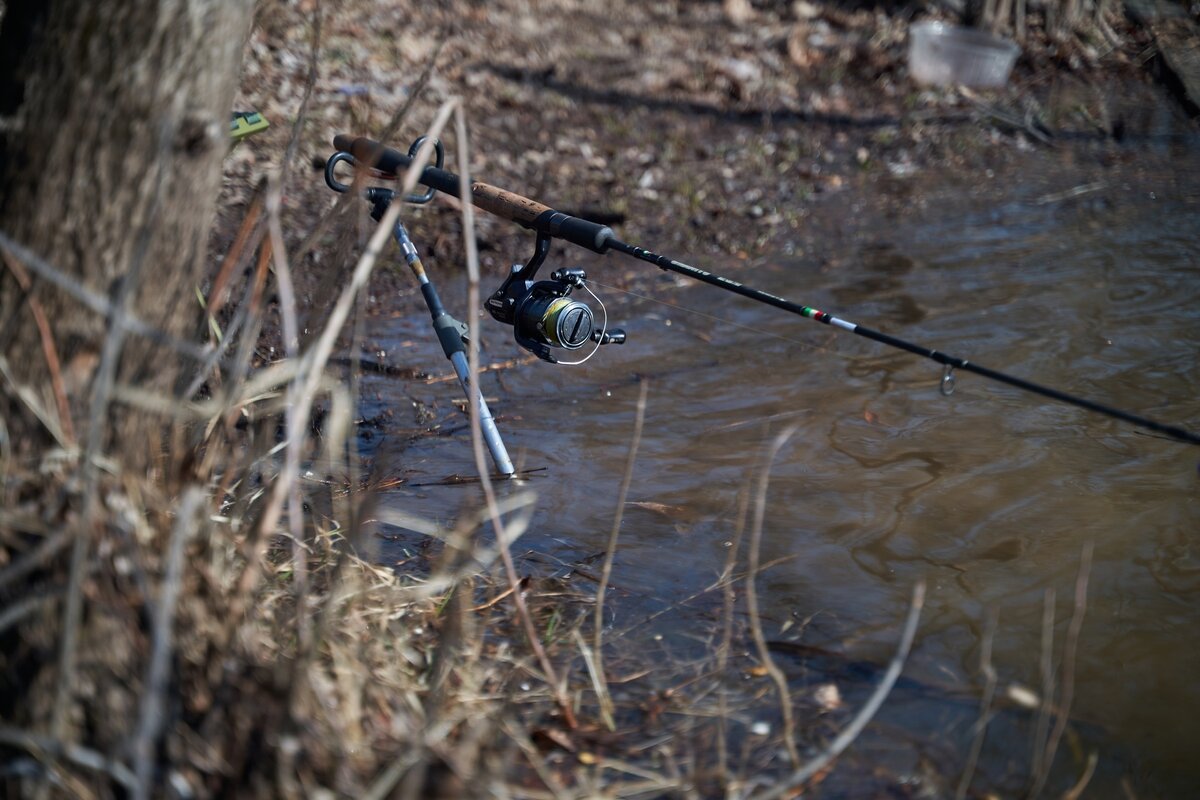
[[201, 631]]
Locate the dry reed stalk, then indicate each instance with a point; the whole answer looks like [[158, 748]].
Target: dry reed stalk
[[473, 301], [29, 398], [1004, 12], [985, 702], [610, 552], [1089, 769], [1070, 650], [295, 433], [241, 362], [1042, 728], [869, 709], [313, 366], [248, 237], [988, 17], [49, 350], [729, 598], [756, 631]]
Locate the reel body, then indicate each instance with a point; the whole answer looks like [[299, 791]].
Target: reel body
[[543, 314]]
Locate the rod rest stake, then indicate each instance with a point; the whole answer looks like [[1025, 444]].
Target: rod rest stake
[[451, 334]]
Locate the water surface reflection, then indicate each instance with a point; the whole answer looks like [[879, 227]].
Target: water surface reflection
[[988, 494]]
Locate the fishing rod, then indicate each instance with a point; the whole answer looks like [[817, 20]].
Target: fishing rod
[[544, 317]]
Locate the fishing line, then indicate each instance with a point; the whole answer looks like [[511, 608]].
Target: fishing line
[[750, 328]]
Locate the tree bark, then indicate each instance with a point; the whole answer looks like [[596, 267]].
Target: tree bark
[[114, 119]]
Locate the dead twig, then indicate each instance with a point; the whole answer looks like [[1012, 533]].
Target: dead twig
[[985, 703], [49, 350], [1076, 791], [310, 83], [489, 492], [217, 294], [97, 302], [610, 552], [344, 202], [45, 551], [45, 746], [25, 607]]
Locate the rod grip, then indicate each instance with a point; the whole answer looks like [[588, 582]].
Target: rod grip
[[506, 204]]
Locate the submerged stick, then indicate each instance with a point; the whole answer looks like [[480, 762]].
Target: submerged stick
[[851, 731], [760, 641]]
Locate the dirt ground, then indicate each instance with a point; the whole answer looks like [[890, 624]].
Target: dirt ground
[[704, 128]]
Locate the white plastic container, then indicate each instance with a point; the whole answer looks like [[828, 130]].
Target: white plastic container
[[943, 55]]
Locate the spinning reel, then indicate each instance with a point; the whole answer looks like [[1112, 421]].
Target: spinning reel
[[543, 314]]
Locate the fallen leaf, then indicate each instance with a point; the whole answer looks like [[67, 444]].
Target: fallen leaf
[[658, 508]]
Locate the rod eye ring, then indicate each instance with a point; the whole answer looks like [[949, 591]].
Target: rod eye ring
[[946, 387]]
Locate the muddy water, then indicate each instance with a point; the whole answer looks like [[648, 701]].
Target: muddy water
[[990, 495]]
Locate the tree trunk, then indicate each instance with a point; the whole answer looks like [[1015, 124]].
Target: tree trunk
[[114, 118]]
